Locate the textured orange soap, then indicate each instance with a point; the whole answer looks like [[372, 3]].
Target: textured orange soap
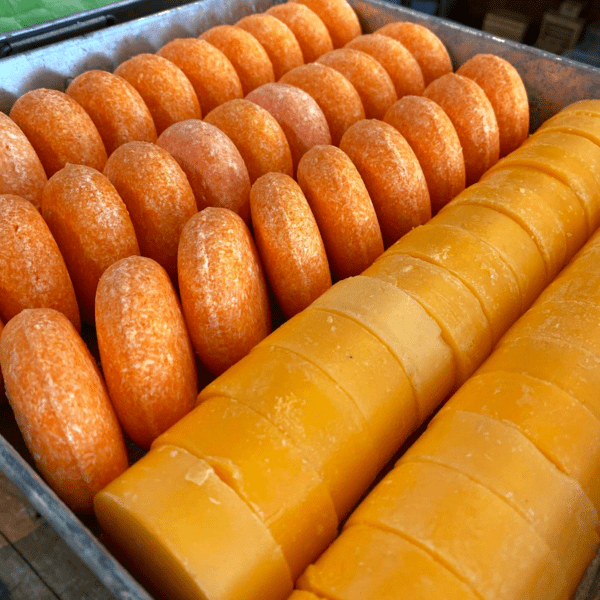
[[167, 92], [424, 45], [298, 114], [21, 172], [59, 130], [433, 139], [61, 406], [266, 470], [392, 175], [33, 273], [187, 534], [288, 242], [447, 300], [467, 528], [246, 53], [513, 243], [213, 165], [223, 290], [277, 39], [560, 427], [355, 358], [475, 263], [115, 106], [210, 72], [473, 118], [335, 95], [339, 18], [91, 226], [367, 563], [256, 134], [307, 26], [157, 195], [504, 88], [305, 404], [400, 64], [343, 209], [146, 353], [505, 462], [372, 82]]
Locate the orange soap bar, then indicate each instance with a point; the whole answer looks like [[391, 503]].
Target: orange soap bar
[[115, 106], [433, 139], [167, 92], [288, 242], [298, 114], [473, 117], [91, 225], [335, 95], [59, 130], [146, 353], [343, 210], [182, 528], [447, 300], [61, 406], [467, 528], [339, 18], [560, 427], [307, 26], [505, 462], [33, 273], [506, 236], [256, 134], [355, 359], [475, 263], [21, 172], [246, 54], [277, 39], [213, 165], [157, 195], [210, 72], [372, 82], [392, 175], [400, 64], [504, 88], [367, 563], [305, 404], [223, 289], [570, 368], [266, 470], [424, 45], [402, 324]]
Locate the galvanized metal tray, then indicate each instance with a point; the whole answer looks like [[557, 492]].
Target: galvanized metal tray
[[552, 82]]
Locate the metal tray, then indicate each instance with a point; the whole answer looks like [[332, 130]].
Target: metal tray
[[552, 82]]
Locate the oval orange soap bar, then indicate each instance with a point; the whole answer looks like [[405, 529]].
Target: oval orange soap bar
[[223, 289], [61, 406], [146, 353]]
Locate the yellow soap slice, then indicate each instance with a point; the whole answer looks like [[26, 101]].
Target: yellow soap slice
[[447, 300], [475, 263], [467, 528], [266, 470], [504, 461], [562, 428], [405, 328], [303, 595], [572, 159], [506, 236], [366, 563], [185, 531], [585, 125], [362, 366], [568, 367], [306, 405], [570, 320], [583, 107]]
